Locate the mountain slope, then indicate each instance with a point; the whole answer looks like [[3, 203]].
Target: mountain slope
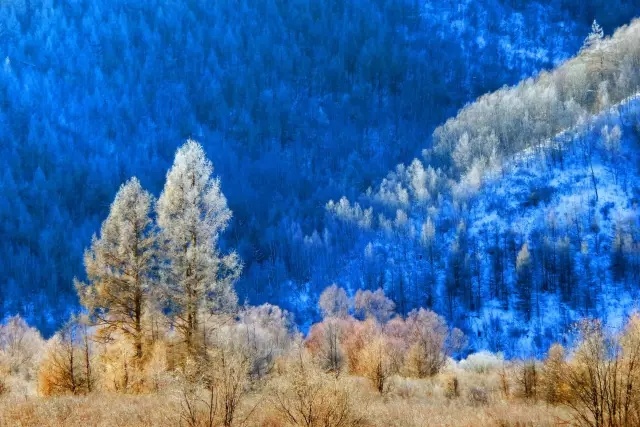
[[511, 232], [295, 102], [581, 257]]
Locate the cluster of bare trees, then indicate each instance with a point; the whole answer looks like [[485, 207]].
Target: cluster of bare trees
[[600, 379], [378, 345]]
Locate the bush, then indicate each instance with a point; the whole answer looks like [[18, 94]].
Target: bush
[[482, 362], [303, 395], [602, 376], [20, 348], [431, 342], [66, 365], [325, 343], [528, 380], [452, 387], [4, 388], [478, 396]]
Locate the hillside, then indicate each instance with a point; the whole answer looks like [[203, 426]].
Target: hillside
[[574, 206], [295, 103], [379, 212], [518, 233]]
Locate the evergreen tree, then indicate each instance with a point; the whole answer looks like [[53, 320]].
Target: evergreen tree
[[618, 258], [566, 269], [458, 283], [497, 281], [192, 212], [595, 36], [120, 266]]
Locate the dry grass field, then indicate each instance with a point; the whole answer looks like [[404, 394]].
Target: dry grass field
[[415, 403]]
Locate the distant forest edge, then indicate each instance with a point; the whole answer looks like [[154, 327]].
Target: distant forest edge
[[295, 104]]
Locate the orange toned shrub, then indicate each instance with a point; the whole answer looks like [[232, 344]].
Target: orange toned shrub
[[356, 336], [603, 376], [66, 365]]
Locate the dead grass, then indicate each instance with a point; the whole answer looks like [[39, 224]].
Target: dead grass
[[93, 410], [409, 403]]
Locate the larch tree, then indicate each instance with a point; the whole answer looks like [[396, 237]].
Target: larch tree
[[192, 212], [120, 266], [524, 281], [594, 38]]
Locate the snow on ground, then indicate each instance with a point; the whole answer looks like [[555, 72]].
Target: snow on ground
[[532, 192]]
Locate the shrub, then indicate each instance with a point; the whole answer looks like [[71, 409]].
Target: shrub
[[334, 302], [4, 388], [528, 380], [374, 305], [431, 343], [303, 395], [20, 348], [376, 363], [478, 396], [602, 376], [452, 387], [66, 365], [482, 362], [325, 343]]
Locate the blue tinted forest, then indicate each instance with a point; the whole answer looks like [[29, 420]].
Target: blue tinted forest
[[296, 103]]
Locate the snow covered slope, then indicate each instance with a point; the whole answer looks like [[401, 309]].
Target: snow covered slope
[[514, 256], [581, 189]]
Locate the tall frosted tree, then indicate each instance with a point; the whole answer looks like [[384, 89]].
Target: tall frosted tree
[[120, 266], [192, 212]]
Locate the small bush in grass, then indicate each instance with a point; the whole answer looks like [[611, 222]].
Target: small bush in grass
[[553, 388], [478, 396], [303, 395], [527, 378]]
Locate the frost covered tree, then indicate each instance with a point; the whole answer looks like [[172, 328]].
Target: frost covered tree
[[20, 347], [595, 36], [334, 302], [428, 241], [120, 266], [374, 305], [192, 212], [431, 343]]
